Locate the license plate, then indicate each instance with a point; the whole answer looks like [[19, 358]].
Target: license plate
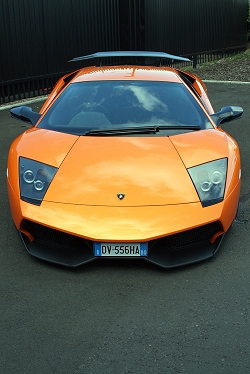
[[121, 249]]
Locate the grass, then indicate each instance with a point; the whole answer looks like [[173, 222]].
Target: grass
[[236, 57]]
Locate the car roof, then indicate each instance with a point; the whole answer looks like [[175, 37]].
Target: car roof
[[94, 73]]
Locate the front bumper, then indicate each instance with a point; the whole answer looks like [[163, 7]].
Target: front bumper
[[186, 247]]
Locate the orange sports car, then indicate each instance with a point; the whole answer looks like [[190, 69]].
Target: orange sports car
[[126, 159]]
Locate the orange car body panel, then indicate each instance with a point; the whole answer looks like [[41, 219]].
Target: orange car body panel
[[140, 223], [145, 73], [146, 169], [160, 198], [87, 190]]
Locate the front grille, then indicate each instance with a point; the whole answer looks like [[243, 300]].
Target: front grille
[[190, 237], [47, 235], [174, 250], [50, 236]]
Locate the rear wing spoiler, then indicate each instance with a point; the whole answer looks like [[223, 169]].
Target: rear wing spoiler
[[140, 54]]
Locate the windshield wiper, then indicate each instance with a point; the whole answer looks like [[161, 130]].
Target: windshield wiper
[[139, 130], [124, 131]]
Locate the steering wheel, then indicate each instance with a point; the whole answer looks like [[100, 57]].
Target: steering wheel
[[91, 107]]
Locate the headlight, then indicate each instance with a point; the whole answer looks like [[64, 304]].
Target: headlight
[[209, 180], [34, 179]]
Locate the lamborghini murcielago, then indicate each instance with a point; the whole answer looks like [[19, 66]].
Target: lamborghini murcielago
[[126, 159]]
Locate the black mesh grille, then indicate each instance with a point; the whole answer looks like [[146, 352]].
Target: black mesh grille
[[173, 250], [197, 235], [53, 237], [193, 236]]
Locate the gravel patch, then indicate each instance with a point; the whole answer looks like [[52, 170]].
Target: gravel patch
[[236, 68]]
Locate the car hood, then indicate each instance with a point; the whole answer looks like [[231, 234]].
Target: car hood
[[145, 170]]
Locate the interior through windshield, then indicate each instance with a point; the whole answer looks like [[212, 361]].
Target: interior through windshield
[[85, 106]]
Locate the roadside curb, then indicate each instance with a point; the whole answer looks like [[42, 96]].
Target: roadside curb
[[28, 101]]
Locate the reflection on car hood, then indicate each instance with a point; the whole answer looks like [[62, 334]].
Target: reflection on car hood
[[201, 146], [146, 170]]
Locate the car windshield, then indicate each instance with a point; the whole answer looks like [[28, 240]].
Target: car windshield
[[87, 106]]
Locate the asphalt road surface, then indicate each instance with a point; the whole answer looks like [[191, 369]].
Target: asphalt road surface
[[128, 317]]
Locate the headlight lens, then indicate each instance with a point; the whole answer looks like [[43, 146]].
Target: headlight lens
[[209, 180], [34, 178]]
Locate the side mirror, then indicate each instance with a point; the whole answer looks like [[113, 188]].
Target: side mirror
[[25, 113], [227, 114]]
